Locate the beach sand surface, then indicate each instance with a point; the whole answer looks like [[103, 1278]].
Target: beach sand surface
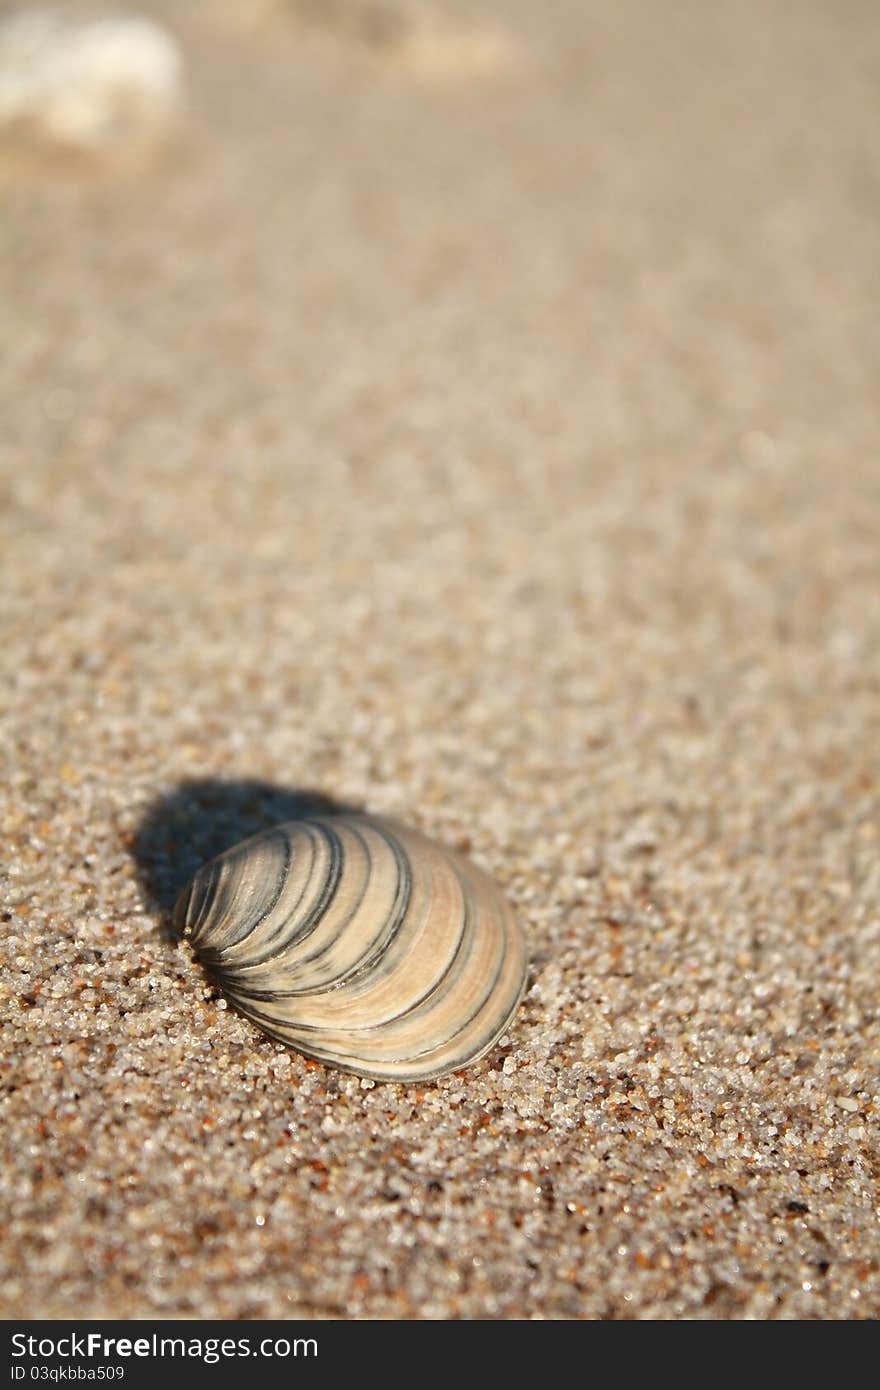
[[472, 415]]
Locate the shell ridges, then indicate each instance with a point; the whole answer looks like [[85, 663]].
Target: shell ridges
[[361, 943]]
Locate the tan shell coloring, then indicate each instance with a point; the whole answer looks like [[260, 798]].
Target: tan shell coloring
[[360, 943]]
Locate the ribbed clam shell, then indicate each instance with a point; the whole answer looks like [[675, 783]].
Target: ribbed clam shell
[[360, 943]]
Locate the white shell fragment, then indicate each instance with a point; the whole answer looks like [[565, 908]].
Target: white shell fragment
[[87, 84], [360, 943]]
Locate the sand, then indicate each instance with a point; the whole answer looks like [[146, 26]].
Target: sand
[[477, 422]]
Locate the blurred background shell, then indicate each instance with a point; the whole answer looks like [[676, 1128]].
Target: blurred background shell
[[88, 84], [361, 943]]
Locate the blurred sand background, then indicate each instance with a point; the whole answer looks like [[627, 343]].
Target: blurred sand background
[[470, 412]]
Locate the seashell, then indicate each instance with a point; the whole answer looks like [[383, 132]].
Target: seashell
[[360, 943], [88, 84]]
